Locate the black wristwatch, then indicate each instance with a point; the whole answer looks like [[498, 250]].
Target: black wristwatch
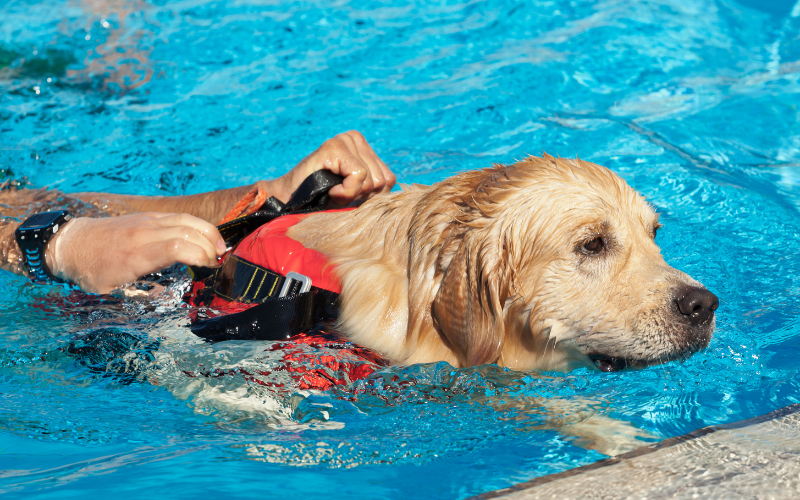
[[32, 237]]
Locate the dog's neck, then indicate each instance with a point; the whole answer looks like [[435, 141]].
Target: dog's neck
[[373, 248]]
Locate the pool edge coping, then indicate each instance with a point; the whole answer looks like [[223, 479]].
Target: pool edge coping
[[644, 450]]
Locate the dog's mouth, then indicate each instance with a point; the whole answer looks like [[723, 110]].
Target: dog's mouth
[[613, 364]]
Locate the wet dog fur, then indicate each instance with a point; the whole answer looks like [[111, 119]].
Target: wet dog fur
[[546, 264]]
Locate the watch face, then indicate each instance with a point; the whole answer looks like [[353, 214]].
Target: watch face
[[43, 220]]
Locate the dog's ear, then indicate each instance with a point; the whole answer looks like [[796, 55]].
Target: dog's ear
[[468, 308]]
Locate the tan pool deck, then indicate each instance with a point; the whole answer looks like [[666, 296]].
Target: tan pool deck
[[757, 458]]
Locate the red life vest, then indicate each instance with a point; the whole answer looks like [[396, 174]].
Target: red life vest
[[269, 247]]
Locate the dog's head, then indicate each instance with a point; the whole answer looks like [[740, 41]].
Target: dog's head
[[551, 264]]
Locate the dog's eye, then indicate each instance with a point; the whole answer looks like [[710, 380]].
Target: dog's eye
[[594, 245]]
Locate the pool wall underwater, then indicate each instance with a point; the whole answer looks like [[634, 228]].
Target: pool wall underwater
[[695, 104]]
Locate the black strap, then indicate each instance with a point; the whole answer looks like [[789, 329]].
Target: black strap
[[239, 280], [276, 319], [312, 194]]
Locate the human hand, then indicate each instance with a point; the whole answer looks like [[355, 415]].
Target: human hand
[[100, 255], [348, 155]]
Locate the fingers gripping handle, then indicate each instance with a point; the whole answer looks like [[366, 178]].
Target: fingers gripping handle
[[311, 196]]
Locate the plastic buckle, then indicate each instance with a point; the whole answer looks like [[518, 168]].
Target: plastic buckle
[[293, 276]]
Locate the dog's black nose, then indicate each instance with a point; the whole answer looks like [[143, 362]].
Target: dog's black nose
[[697, 304]]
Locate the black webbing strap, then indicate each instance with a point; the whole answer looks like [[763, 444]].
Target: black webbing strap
[[276, 319], [239, 280]]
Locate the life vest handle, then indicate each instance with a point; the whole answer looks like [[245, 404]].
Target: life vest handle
[[311, 196]]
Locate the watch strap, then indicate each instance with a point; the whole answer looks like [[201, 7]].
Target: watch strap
[[32, 243]]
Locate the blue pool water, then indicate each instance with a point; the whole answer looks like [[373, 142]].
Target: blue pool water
[[695, 103]]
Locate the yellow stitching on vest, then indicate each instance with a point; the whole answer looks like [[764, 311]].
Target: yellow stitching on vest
[[266, 272], [273, 286], [244, 294], [255, 295]]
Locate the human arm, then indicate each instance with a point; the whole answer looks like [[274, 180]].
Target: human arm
[[149, 233], [101, 254]]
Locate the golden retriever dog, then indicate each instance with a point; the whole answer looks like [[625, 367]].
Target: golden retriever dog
[[546, 264]]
